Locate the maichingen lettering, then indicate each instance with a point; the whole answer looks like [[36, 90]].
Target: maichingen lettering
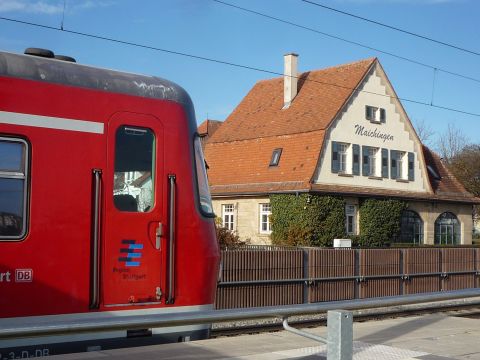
[[360, 130]]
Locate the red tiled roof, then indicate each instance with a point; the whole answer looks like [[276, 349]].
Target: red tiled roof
[[208, 127], [239, 152], [235, 165], [321, 94], [447, 186]]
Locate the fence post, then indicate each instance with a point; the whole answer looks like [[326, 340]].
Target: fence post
[[340, 335], [306, 275], [402, 271], [442, 269], [356, 264], [475, 264]]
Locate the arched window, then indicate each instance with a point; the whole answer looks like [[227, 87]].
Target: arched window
[[447, 229], [411, 228]]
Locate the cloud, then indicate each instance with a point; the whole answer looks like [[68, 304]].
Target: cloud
[[48, 7], [38, 7], [88, 4]]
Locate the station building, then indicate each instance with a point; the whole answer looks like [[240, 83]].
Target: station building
[[341, 131]]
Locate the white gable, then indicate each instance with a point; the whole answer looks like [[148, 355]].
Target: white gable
[[388, 129]]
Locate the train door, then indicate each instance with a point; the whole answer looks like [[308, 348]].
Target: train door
[[132, 268]]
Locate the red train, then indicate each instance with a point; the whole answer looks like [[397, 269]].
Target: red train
[[104, 204]]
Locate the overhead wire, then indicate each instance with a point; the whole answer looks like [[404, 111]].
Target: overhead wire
[[198, 57], [411, 33], [413, 61]]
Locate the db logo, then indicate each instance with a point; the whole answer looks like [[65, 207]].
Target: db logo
[[23, 275]]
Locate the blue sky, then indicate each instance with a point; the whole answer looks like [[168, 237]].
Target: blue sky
[[209, 29]]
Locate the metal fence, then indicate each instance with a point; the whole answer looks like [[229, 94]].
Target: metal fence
[[256, 276]]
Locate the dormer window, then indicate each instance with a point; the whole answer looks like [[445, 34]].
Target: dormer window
[[375, 114], [276, 157], [432, 172]]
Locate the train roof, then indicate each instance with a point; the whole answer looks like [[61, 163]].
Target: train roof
[[72, 74]]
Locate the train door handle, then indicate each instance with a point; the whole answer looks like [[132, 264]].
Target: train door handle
[[158, 236], [95, 260]]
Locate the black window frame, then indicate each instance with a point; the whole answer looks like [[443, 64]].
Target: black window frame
[[276, 154], [450, 220], [22, 175], [127, 202], [370, 109], [411, 228]]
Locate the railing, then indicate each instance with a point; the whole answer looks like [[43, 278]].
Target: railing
[[338, 339], [277, 276], [132, 322]]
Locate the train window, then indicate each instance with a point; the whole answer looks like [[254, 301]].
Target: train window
[[13, 188], [133, 181], [203, 189]]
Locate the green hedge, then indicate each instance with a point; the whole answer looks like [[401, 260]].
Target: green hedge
[[306, 220], [315, 220], [379, 221]]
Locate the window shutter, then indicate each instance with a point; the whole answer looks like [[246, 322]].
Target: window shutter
[[335, 161], [365, 166], [393, 164], [383, 116], [385, 163], [356, 159], [411, 173]]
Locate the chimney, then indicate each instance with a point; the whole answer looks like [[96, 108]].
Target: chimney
[[290, 79]]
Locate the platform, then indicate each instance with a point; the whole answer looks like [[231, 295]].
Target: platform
[[430, 337]]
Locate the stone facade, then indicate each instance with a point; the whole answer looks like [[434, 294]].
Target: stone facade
[[246, 217], [430, 211]]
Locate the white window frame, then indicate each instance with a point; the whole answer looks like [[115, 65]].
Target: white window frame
[[376, 114], [265, 210], [343, 150], [402, 166], [372, 161], [228, 216], [351, 212]]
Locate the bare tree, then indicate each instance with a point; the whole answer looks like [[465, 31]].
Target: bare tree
[[466, 168], [424, 131], [451, 143]]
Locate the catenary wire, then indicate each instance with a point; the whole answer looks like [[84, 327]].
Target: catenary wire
[[173, 52], [456, 47], [413, 61]]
